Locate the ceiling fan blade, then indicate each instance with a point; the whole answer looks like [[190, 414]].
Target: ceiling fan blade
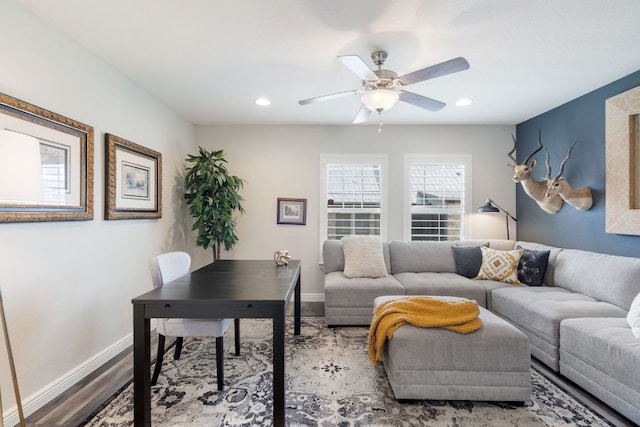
[[363, 115], [441, 69], [421, 101], [329, 97], [357, 65]]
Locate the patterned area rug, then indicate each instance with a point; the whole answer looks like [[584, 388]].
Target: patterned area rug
[[330, 382]]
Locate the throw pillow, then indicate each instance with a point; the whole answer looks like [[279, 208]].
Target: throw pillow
[[363, 257], [500, 265], [468, 260], [532, 266], [633, 317]]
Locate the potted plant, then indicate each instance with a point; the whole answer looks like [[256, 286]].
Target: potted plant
[[212, 199]]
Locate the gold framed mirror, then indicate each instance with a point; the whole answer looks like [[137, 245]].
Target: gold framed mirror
[[46, 164]]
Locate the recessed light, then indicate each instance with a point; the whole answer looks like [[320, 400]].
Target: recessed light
[[263, 102], [463, 102]]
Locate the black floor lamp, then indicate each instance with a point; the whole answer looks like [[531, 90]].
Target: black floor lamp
[[489, 207]]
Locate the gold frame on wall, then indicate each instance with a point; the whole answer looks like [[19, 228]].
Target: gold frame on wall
[[133, 180], [623, 172], [29, 128]]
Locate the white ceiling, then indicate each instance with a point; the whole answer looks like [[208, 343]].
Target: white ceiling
[[210, 59]]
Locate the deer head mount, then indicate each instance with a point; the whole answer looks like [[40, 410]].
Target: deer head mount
[[522, 173], [579, 198]]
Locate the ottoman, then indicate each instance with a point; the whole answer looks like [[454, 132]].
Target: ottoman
[[491, 364]]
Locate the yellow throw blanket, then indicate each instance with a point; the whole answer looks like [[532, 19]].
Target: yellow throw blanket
[[459, 316]]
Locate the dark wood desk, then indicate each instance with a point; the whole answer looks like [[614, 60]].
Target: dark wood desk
[[226, 288]]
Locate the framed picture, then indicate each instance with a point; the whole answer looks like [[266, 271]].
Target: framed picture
[[46, 166], [292, 211], [133, 180]]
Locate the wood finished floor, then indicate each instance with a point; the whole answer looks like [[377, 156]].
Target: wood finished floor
[[74, 406]]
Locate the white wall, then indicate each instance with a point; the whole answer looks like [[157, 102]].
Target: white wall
[[67, 286], [284, 161]]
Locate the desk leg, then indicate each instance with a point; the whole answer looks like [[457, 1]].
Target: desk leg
[[141, 380], [278, 369], [296, 307]]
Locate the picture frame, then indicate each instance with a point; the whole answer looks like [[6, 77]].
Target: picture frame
[[292, 211], [622, 133], [133, 180], [46, 167]]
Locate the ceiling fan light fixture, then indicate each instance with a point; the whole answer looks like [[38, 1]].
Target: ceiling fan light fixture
[[380, 99]]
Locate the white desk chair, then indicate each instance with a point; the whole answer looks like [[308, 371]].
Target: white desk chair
[[165, 268]]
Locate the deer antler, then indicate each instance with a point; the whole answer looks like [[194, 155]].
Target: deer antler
[[534, 151], [564, 161], [510, 153], [548, 163]]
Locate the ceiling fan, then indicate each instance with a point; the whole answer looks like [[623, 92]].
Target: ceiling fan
[[381, 89]]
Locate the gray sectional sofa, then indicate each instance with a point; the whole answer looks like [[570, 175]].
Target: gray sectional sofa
[[576, 321]]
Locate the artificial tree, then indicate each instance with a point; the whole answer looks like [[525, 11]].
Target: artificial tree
[[213, 197]]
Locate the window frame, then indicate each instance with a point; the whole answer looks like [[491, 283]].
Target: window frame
[[441, 159], [327, 159]]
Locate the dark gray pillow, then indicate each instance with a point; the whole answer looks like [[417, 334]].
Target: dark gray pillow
[[532, 266], [468, 260]]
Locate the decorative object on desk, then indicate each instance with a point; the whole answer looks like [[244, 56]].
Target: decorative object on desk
[[292, 211], [133, 180], [522, 173], [622, 205], [213, 197], [489, 207], [46, 167], [12, 366], [281, 257], [579, 198]]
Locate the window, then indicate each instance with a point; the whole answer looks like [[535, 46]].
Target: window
[[437, 190], [352, 196]]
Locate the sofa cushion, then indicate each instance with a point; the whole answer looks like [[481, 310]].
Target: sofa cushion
[[601, 355], [442, 284], [532, 266], [633, 317], [500, 265], [538, 311], [468, 260], [436, 257], [340, 291], [609, 278]]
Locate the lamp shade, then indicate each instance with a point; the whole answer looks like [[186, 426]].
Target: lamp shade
[[380, 99], [488, 207]]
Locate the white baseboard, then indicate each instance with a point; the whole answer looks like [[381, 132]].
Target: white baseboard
[[312, 297], [45, 395]]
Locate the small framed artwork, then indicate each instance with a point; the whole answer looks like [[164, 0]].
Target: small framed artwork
[[292, 211], [133, 180]]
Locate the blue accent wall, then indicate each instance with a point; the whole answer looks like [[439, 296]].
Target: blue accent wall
[[582, 120]]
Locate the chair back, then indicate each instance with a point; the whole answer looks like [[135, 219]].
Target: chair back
[[169, 266]]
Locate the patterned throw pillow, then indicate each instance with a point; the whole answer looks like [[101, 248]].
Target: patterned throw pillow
[[500, 265], [532, 267], [363, 257]]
